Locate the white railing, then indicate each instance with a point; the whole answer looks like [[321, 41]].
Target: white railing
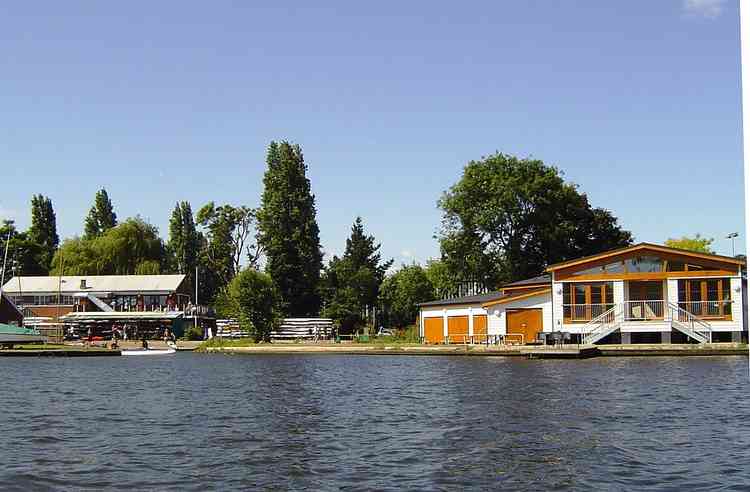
[[585, 312], [602, 325], [644, 310], [690, 324], [708, 309], [657, 310]]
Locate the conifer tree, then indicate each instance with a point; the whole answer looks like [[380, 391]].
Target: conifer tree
[[184, 243], [101, 217], [352, 282], [43, 230], [288, 231]]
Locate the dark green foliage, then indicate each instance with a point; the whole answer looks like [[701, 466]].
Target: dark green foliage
[[442, 279], [184, 242], [133, 247], [288, 231], [402, 291], [508, 218], [101, 217], [351, 283], [23, 252], [252, 299], [43, 230]]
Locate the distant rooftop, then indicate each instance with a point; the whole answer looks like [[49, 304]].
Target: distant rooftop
[[541, 279], [71, 284], [491, 296], [480, 298]]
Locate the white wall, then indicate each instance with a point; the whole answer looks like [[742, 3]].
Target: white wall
[[497, 313], [445, 312]]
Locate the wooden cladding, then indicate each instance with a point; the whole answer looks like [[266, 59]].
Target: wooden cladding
[[648, 265], [433, 330], [480, 328], [646, 249], [458, 329], [523, 325]]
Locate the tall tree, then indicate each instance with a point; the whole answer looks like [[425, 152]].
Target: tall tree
[[101, 217], [351, 283], [508, 218], [43, 230], [23, 253], [184, 242], [696, 243], [288, 231]]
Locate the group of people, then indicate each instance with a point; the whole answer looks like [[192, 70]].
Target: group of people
[[118, 334]]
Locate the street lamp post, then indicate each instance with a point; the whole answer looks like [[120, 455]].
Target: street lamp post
[[731, 238]]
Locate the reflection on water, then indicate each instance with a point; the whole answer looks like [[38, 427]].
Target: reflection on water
[[328, 422]]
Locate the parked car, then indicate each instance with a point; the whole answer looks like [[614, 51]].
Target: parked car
[[385, 332]]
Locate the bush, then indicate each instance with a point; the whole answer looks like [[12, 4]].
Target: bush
[[252, 299]]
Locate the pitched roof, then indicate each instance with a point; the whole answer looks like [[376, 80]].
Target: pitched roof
[[540, 279], [476, 299], [517, 296], [70, 284], [645, 246]]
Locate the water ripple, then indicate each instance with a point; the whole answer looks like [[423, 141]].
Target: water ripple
[[192, 422]]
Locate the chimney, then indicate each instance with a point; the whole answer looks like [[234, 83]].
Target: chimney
[[83, 283]]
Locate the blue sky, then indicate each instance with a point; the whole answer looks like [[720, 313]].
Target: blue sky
[[638, 102]]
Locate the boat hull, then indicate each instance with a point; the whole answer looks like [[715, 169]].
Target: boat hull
[[149, 352]]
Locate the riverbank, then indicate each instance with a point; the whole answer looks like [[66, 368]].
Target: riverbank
[[567, 351]]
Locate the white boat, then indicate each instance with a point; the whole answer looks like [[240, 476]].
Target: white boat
[[168, 351]]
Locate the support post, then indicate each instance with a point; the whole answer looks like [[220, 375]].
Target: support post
[[624, 338], [666, 337]]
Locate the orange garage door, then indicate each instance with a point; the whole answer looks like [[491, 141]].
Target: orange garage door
[[523, 324], [458, 329], [433, 330], [480, 328]]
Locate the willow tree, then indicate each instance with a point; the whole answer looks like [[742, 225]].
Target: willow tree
[[132, 247]]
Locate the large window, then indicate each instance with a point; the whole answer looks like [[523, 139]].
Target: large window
[[647, 264], [585, 301], [706, 298]]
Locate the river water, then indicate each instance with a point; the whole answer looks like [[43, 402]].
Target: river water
[[331, 422]]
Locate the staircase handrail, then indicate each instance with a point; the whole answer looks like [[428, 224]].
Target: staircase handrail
[[590, 328], [691, 319]]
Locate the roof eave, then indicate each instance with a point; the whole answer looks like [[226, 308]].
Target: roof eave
[[639, 246]]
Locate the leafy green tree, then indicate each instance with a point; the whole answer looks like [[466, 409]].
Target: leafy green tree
[[442, 279], [253, 300], [132, 247], [101, 217], [43, 230], [351, 283], [696, 243], [23, 252], [402, 291], [508, 218], [288, 231]]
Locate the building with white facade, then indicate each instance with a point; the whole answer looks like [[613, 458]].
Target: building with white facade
[[644, 293]]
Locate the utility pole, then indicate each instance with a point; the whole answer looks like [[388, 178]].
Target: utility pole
[[195, 312]]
